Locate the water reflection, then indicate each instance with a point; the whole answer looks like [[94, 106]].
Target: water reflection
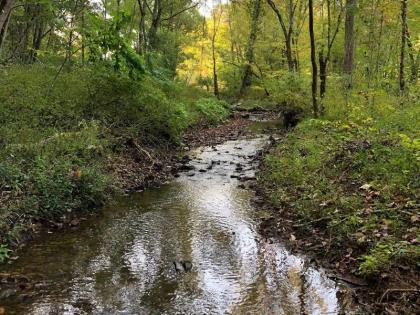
[[121, 263]]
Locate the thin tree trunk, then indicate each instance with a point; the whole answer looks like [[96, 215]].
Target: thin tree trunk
[[322, 75], [154, 25], [215, 80], [371, 42], [83, 40], [23, 49], [288, 33], [250, 56], [216, 25], [313, 59], [3, 29], [378, 47], [325, 59], [37, 34], [142, 27], [5, 8], [403, 39], [349, 39], [413, 59], [289, 54]]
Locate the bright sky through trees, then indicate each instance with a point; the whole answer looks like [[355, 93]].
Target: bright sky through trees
[[206, 6]]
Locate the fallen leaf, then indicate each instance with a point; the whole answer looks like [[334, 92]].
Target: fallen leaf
[[292, 238], [74, 222], [360, 237], [414, 218], [365, 187]]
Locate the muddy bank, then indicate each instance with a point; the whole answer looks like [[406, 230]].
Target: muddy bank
[[140, 166]]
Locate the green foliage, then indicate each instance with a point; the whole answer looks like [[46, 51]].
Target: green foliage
[[212, 110], [57, 134], [382, 256], [379, 258], [289, 90], [4, 253], [46, 178], [105, 37]]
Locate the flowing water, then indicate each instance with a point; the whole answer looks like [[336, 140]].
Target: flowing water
[[122, 262]]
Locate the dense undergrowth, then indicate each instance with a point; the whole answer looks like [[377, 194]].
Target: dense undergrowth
[[354, 177], [57, 132]]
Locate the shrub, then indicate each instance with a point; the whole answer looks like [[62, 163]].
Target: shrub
[[212, 110], [289, 90]]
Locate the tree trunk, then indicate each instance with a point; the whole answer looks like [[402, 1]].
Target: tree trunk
[[289, 54], [29, 18], [413, 59], [215, 81], [5, 11], [403, 39], [83, 54], [5, 8], [3, 31], [216, 24], [250, 56], [324, 59], [349, 38], [378, 47], [322, 74], [142, 27], [313, 59], [37, 34], [154, 26], [288, 33]]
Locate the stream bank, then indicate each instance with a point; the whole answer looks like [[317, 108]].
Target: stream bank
[[333, 192], [132, 166], [122, 261]]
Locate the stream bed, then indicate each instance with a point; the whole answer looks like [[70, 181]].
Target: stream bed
[[122, 261]]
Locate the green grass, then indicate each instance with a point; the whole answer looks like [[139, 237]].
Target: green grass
[[355, 178]]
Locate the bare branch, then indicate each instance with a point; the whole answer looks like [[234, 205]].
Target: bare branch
[[180, 12]]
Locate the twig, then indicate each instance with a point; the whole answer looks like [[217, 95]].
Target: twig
[[312, 221], [397, 290], [145, 152]]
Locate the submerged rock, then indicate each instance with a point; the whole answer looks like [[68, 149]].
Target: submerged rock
[[187, 167], [183, 266], [5, 294], [178, 266]]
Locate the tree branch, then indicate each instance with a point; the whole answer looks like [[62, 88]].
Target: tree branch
[[180, 12], [279, 16]]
